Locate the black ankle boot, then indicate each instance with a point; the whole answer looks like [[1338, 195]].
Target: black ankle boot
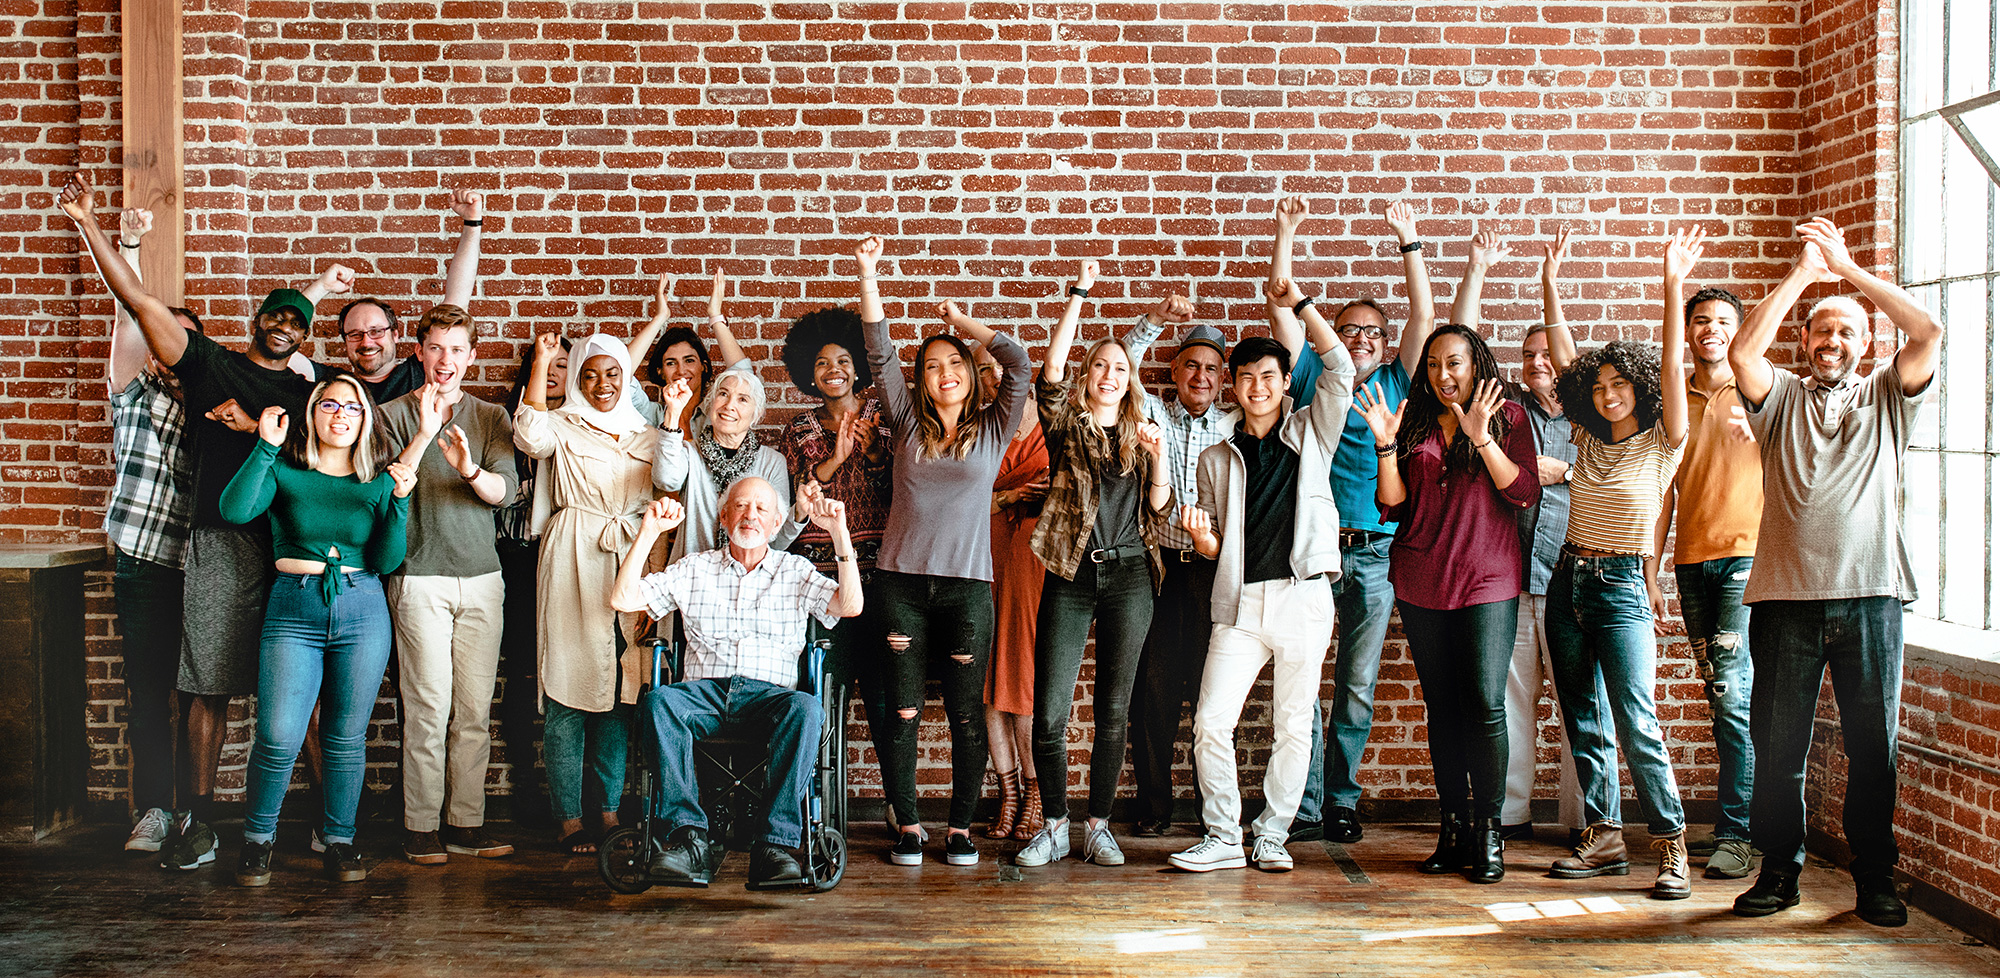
[[1450, 854], [1483, 863]]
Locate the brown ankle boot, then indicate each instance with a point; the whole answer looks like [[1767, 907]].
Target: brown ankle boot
[[1601, 853], [1031, 813], [1010, 806], [1672, 883]]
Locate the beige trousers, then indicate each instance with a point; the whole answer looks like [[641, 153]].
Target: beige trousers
[[448, 648]]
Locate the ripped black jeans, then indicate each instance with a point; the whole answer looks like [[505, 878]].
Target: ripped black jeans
[[949, 624]]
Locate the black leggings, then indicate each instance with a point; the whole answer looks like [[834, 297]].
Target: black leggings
[[943, 617], [1461, 658]]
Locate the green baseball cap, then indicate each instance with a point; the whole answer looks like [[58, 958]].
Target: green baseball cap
[[291, 299]]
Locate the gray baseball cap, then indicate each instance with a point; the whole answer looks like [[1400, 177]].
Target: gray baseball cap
[[1207, 336]]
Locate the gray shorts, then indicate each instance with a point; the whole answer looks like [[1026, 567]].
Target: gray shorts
[[228, 583]]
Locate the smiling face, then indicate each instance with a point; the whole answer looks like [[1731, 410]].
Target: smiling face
[[989, 368], [1612, 394], [340, 427], [1107, 374], [1710, 327], [370, 340], [1198, 378], [277, 334], [446, 354], [1449, 367], [1538, 369], [947, 378], [557, 386], [677, 361], [732, 406], [833, 371], [1260, 388], [601, 381], [1834, 342], [1365, 334], [750, 513]]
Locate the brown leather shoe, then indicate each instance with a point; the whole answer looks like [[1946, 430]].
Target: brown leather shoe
[[424, 849], [1031, 813], [1010, 806], [1672, 883], [1601, 853]]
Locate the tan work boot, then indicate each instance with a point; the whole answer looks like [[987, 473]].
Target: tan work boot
[[1672, 883], [1601, 853]]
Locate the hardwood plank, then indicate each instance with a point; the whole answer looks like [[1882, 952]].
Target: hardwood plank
[[150, 48]]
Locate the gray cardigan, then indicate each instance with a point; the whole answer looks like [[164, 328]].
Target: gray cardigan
[[1313, 432]]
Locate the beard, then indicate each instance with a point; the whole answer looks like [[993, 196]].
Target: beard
[[749, 538]]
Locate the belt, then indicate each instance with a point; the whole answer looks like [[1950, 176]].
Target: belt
[[1182, 556], [1592, 553], [1358, 538], [1115, 553]]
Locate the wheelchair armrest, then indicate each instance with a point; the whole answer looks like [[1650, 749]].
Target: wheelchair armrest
[[812, 659], [669, 660]]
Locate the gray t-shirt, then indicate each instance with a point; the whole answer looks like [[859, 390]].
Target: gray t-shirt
[[1833, 475], [451, 528]]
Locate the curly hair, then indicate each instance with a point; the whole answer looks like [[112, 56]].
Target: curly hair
[[1420, 417], [1636, 362], [812, 332], [1712, 294]]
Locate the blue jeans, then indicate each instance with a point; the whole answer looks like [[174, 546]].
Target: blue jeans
[[944, 618], [1118, 595], [149, 620], [1795, 643], [334, 655], [1362, 602], [1600, 626], [1461, 657], [1717, 623], [687, 712], [572, 737]]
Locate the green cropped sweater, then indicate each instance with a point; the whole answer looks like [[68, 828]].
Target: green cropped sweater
[[315, 516]]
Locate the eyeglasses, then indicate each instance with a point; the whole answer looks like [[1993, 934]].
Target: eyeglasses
[[350, 408], [1372, 332], [357, 335]]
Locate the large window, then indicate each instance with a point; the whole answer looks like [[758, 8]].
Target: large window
[[1950, 143]]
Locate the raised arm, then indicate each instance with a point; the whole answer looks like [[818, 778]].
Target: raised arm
[[1562, 346], [671, 464], [1385, 423], [1016, 371], [128, 343], [725, 339], [1285, 219], [164, 334], [1055, 363], [659, 516], [1683, 250], [831, 515], [338, 279], [250, 491], [1402, 219], [642, 342], [1334, 392], [882, 359], [1754, 373], [1487, 248], [1916, 362], [463, 273], [1175, 308]]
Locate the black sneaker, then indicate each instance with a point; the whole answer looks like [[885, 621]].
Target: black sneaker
[[958, 849], [342, 863], [474, 841], [253, 867], [1304, 831], [1152, 828], [1771, 893], [190, 845], [1875, 901], [1518, 832], [909, 850], [1346, 826]]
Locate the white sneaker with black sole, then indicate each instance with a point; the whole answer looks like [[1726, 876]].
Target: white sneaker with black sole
[[1211, 853], [150, 831], [1269, 855]]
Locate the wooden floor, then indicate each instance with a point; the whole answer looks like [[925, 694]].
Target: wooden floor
[[77, 905]]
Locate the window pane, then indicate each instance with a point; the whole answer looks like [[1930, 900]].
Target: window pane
[[1967, 189], [1965, 367], [1923, 199], [1923, 56], [1920, 526], [1969, 70], [1964, 571]]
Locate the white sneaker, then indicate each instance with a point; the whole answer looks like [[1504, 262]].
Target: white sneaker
[[1209, 854], [1270, 856], [318, 844], [1048, 845], [150, 832], [1099, 847]]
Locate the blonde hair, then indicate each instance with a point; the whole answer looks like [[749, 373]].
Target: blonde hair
[[1131, 413], [371, 446]]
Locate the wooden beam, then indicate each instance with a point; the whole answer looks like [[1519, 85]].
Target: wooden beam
[[151, 49]]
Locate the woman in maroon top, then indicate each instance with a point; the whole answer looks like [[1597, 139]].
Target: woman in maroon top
[[1455, 463]]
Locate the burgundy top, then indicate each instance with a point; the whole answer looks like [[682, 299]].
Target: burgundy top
[[1457, 542]]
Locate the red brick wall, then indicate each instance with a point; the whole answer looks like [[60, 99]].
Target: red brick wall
[[994, 144]]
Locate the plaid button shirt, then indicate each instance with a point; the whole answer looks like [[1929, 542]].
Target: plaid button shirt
[[151, 507], [749, 623], [1187, 435]]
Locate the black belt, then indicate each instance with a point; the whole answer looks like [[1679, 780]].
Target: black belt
[[1358, 538], [1115, 553], [1183, 556]]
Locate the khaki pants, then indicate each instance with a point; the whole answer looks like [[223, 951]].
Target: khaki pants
[[448, 647]]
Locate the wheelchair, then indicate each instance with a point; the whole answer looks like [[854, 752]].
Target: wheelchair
[[731, 771]]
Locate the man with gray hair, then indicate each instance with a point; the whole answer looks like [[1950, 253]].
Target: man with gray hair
[[744, 607], [1831, 574]]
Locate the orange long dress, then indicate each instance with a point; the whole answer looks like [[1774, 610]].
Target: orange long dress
[[1017, 580]]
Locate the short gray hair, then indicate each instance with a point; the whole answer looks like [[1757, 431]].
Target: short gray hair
[[1839, 303], [743, 372]]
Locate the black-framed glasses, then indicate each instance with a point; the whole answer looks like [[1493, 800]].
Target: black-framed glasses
[[1372, 332], [357, 335], [350, 408]]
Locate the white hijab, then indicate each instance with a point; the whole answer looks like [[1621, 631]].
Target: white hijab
[[623, 418]]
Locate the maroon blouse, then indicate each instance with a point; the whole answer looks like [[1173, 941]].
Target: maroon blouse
[[1457, 542]]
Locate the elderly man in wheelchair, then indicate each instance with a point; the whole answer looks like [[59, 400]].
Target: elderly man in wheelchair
[[744, 610]]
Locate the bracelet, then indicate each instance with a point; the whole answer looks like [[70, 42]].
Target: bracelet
[[1079, 293], [1412, 246], [714, 320], [1302, 304], [1381, 452], [474, 477], [474, 222], [130, 247], [1481, 448], [843, 558]]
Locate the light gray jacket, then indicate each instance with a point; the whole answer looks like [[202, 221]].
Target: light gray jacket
[[1313, 432]]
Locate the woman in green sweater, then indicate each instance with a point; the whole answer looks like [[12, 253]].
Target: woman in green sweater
[[337, 517]]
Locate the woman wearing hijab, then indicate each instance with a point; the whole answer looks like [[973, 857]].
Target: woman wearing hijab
[[597, 463]]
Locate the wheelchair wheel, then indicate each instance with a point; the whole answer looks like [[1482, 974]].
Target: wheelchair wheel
[[829, 859], [621, 860]]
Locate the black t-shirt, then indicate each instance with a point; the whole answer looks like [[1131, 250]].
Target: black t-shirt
[[401, 379], [1270, 500], [209, 375], [1117, 502]]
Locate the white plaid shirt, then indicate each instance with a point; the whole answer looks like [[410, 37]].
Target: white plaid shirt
[[151, 503], [1187, 435], [749, 623]]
